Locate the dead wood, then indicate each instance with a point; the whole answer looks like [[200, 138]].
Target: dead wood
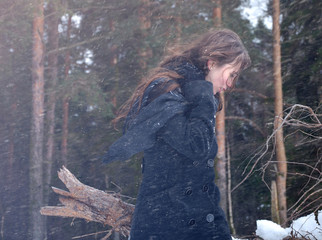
[[91, 204]]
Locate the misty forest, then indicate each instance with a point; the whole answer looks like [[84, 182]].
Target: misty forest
[[66, 67]]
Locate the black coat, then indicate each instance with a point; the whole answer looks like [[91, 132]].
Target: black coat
[[178, 198]]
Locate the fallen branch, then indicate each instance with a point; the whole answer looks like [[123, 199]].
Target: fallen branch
[[91, 204]]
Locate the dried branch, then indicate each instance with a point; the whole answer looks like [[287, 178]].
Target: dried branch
[[91, 204], [308, 122], [109, 233]]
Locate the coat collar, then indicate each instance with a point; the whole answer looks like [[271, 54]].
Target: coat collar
[[186, 69]]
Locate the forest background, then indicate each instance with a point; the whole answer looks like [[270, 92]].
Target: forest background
[[93, 54]]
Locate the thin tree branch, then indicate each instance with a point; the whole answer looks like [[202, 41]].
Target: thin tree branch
[[292, 111]]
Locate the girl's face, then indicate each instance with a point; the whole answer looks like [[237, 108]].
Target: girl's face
[[221, 77]]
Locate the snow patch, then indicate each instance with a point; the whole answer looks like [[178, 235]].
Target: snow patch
[[269, 230], [309, 227]]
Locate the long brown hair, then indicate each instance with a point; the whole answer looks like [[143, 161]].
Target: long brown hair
[[222, 46]]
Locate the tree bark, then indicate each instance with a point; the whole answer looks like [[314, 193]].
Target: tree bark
[[64, 143], [230, 201], [145, 25], [114, 60], [217, 13], [274, 203], [145, 14], [91, 204], [220, 130], [280, 149], [53, 21], [37, 125]]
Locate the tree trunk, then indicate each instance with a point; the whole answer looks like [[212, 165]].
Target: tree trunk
[[274, 203], [230, 201], [280, 149], [145, 15], [220, 129], [51, 86], [179, 29], [221, 155], [114, 60], [145, 24], [64, 144], [37, 125], [217, 13]]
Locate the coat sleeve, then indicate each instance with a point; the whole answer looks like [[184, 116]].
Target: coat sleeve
[[192, 133], [142, 131]]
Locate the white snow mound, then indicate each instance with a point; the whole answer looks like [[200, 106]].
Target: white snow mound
[[306, 227], [269, 230]]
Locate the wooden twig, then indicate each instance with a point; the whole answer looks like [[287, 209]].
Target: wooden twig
[[109, 233], [91, 204], [288, 120]]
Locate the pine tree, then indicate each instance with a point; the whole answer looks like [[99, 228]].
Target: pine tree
[[37, 124]]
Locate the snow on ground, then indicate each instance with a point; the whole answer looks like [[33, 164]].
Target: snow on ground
[[308, 227], [270, 231]]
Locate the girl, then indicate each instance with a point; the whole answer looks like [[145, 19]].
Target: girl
[[171, 117]]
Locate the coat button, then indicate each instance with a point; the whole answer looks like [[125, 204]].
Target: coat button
[[211, 163], [188, 191], [210, 218], [205, 188], [191, 222]]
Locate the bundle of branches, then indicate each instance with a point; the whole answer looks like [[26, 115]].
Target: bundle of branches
[[91, 204]]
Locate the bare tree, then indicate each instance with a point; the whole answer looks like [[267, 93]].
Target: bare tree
[[37, 124], [113, 62], [64, 146], [220, 130], [303, 120], [229, 197], [53, 38], [280, 149], [145, 25]]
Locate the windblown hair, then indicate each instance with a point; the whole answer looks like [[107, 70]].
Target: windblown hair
[[222, 46]]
